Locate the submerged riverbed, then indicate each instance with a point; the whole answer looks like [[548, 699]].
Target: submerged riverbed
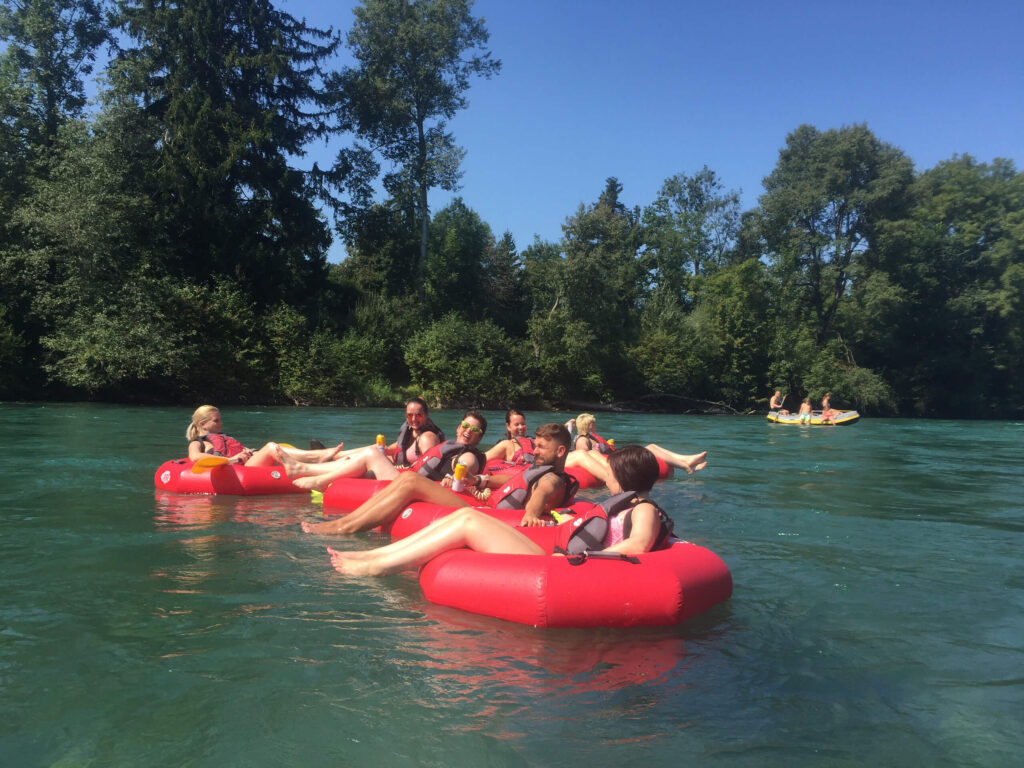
[[877, 614]]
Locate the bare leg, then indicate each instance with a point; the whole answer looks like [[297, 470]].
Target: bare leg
[[692, 463], [387, 504], [318, 476], [268, 455], [465, 527], [594, 462]]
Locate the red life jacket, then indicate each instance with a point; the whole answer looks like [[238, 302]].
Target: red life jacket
[[440, 460], [524, 453], [222, 445], [514, 493]]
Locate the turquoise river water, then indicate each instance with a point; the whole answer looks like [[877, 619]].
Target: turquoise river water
[[877, 617]]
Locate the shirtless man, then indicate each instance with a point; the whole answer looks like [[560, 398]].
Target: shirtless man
[[775, 404], [551, 490]]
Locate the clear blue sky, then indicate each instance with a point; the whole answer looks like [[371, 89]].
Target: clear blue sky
[[645, 90]]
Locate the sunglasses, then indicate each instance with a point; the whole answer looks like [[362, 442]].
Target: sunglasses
[[469, 427]]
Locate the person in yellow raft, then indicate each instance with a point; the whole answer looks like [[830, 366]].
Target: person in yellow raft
[[205, 438], [805, 411], [776, 402]]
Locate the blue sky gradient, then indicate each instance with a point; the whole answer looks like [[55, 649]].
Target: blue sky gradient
[[646, 90]]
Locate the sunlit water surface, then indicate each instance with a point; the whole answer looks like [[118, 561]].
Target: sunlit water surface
[[878, 613]]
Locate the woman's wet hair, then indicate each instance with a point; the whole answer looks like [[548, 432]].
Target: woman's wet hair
[[201, 414], [508, 420], [635, 468], [476, 415]]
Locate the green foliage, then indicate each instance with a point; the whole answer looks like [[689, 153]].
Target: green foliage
[[504, 289], [454, 361], [319, 368], [691, 228], [457, 245], [167, 249], [234, 87], [12, 350], [414, 60], [821, 210]]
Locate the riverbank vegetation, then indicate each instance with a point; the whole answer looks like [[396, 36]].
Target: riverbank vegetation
[[166, 247]]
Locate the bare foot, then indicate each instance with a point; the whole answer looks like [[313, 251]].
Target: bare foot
[[332, 454], [292, 466], [328, 526], [315, 483], [350, 566], [695, 463]]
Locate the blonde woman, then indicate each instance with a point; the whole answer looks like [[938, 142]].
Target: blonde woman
[[205, 438], [591, 451]]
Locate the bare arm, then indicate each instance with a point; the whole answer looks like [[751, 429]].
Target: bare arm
[[643, 534], [499, 451], [541, 500]]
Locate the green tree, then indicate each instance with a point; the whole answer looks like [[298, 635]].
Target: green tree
[[821, 209], [235, 86], [454, 277], [504, 288], [822, 216], [415, 59], [691, 227], [944, 303], [601, 282], [457, 362], [51, 46]]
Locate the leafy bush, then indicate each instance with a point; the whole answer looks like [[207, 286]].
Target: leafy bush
[[459, 363]]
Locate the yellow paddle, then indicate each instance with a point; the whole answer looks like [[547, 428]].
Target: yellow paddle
[[206, 463]]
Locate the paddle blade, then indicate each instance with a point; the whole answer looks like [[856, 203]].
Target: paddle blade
[[206, 463]]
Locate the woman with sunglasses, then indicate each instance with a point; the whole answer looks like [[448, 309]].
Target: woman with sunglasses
[[434, 463], [636, 525]]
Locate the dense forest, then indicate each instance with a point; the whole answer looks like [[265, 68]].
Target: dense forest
[[163, 245]]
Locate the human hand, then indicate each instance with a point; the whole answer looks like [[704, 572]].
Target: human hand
[[531, 521]]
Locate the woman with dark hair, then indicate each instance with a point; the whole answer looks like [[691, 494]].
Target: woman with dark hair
[[361, 461], [517, 447], [636, 525]]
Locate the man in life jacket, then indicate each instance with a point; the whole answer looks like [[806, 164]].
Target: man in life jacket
[[549, 490]]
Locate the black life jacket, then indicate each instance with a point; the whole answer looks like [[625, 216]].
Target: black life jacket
[[602, 444], [514, 493], [405, 437], [588, 529], [440, 460]]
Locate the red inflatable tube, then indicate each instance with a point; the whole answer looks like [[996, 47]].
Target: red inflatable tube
[[230, 479], [663, 588]]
